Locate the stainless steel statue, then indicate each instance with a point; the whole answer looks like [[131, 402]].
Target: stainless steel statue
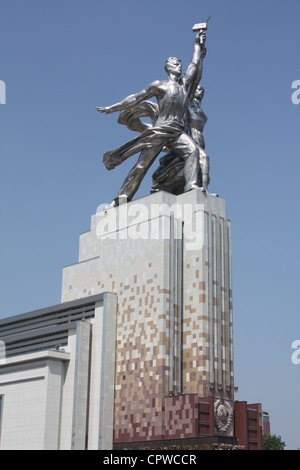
[[177, 127]]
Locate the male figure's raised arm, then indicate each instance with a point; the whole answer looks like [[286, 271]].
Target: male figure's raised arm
[[153, 89], [194, 70], [198, 76]]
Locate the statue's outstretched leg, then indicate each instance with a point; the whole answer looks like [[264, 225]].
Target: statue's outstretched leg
[[135, 176]]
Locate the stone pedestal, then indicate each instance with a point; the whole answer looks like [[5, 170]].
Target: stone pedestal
[[168, 259]]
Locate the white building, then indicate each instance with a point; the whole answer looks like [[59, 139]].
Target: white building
[[57, 377]]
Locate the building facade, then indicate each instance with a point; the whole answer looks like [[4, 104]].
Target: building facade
[[140, 351]]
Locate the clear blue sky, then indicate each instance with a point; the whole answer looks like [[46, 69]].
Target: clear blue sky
[[62, 58]]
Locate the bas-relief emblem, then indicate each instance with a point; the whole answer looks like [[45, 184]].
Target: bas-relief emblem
[[223, 417]]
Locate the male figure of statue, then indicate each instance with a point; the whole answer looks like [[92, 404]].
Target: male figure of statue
[[168, 128]]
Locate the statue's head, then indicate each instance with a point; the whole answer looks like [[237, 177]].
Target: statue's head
[[199, 93], [173, 65]]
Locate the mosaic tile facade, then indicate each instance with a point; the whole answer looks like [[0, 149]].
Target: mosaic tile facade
[[174, 328], [181, 416]]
